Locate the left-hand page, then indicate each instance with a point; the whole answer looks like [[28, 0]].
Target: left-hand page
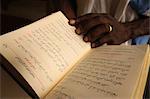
[[44, 51]]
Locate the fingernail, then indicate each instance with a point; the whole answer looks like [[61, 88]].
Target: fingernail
[[93, 45], [86, 39], [72, 21], [78, 31]]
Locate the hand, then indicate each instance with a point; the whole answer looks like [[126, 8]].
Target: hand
[[100, 29]]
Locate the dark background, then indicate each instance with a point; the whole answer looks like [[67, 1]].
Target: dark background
[[17, 13]]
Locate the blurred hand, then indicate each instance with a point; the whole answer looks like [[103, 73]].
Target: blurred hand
[[100, 29]]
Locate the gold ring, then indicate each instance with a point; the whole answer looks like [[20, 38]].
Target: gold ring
[[110, 28]]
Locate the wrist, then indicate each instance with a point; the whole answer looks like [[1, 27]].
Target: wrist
[[130, 30], [138, 27]]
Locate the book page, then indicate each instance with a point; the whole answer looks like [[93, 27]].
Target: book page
[[43, 51], [138, 94], [108, 72]]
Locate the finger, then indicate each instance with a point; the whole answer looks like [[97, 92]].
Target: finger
[[91, 15], [72, 21], [99, 42], [86, 17], [82, 18], [96, 33], [86, 25], [78, 26]]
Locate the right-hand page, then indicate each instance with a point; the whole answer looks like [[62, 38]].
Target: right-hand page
[[106, 72]]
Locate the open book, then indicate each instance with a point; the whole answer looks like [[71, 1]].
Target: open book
[[50, 61]]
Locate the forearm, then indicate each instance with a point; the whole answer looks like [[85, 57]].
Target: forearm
[[139, 27]]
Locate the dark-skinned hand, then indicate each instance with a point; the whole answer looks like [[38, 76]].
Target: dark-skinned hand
[[95, 28]]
